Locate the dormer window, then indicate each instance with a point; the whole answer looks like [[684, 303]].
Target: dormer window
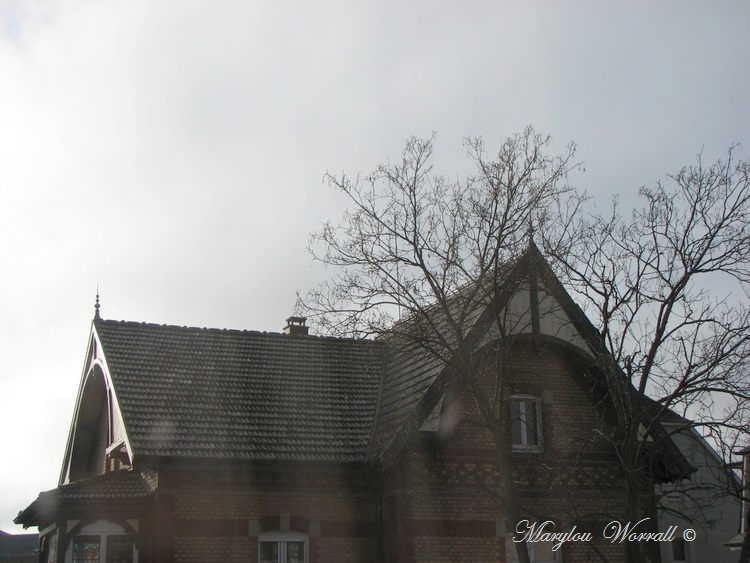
[[526, 423]]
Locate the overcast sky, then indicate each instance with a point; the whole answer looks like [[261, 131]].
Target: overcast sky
[[173, 152]]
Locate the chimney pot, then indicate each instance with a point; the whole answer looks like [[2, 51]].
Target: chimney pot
[[296, 325]]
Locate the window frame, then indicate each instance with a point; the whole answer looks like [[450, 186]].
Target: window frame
[[534, 557], [82, 540], [284, 538], [127, 538], [511, 556], [103, 541], [103, 530], [522, 399]]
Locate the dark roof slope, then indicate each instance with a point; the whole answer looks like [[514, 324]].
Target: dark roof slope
[[410, 372], [120, 486], [196, 392]]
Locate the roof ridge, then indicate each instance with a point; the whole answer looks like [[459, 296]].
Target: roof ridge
[[270, 334]]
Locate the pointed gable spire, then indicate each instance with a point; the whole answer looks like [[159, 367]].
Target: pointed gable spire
[[531, 248], [96, 304]]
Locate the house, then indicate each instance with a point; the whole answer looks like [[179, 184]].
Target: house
[[708, 502], [738, 542], [195, 444]]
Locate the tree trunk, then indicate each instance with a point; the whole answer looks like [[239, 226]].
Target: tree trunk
[[508, 491]]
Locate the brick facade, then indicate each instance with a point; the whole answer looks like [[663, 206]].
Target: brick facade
[[440, 504], [434, 503], [219, 513]]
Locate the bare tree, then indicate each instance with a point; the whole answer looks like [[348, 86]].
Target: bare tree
[[411, 240], [669, 339], [667, 288]]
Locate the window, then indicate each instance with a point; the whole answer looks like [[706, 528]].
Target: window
[[49, 548], [541, 552], [679, 551], [525, 423], [282, 547], [119, 549], [102, 549], [86, 549]]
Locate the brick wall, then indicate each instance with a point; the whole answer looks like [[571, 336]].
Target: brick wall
[[218, 514]]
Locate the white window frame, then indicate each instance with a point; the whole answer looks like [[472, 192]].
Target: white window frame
[[524, 446], [283, 537]]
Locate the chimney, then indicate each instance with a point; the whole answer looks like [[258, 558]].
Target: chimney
[[296, 325]]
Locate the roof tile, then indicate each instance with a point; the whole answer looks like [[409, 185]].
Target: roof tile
[[242, 394]]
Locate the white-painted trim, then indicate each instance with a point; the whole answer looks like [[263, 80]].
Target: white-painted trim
[[95, 358], [115, 401]]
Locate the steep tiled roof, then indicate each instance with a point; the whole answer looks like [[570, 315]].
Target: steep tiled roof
[[116, 485], [229, 394], [107, 489], [411, 370]]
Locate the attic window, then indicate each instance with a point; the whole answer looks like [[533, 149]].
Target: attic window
[[526, 423]]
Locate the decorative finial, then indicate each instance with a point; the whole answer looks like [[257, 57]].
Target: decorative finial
[[96, 305], [530, 231]]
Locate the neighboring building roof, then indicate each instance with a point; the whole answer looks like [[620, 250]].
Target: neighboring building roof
[[109, 489], [230, 394], [736, 542], [18, 547]]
